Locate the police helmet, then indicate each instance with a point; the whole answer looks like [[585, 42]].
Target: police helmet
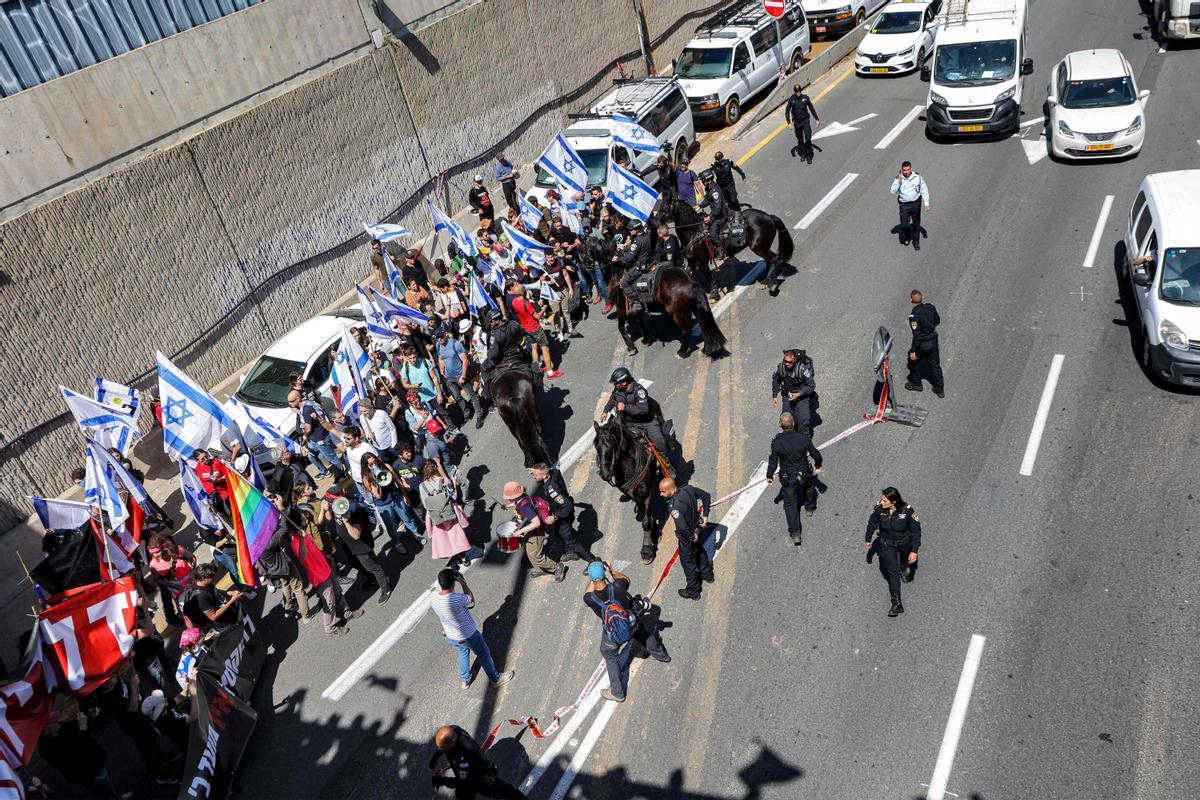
[[707, 176], [620, 375], [635, 226]]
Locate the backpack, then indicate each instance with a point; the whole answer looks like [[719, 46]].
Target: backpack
[[618, 622], [543, 510]]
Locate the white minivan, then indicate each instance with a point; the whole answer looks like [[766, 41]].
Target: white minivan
[[737, 54], [1162, 260], [658, 104], [836, 17]]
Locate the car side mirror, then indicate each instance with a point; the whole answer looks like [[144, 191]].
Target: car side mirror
[[1143, 94], [1051, 100], [926, 74], [1027, 66], [673, 64], [1142, 278]]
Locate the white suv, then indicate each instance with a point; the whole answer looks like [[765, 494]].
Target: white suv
[[1094, 108], [737, 54], [900, 39]]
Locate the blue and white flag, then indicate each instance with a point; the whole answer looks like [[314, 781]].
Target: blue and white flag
[[570, 219], [386, 232], [348, 368], [118, 396], [478, 299], [527, 249], [247, 419], [192, 419], [627, 132], [109, 426], [394, 309], [441, 222], [547, 293], [197, 498], [100, 487], [490, 271], [564, 164], [531, 215], [122, 477], [395, 286], [62, 515], [377, 324], [629, 194]]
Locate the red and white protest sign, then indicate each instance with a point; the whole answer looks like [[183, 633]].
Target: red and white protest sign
[[89, 633], [24, 711]]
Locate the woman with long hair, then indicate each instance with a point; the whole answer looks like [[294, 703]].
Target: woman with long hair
[[445, 522], [387, 495], [894, 534]]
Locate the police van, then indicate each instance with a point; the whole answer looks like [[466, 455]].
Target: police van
[[737, 54], [657, 104], [976, 76]]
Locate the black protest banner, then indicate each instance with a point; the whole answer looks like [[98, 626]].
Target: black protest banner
[[219, 735], [235, 658]]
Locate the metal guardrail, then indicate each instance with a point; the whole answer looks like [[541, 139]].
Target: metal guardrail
[[807, 73]]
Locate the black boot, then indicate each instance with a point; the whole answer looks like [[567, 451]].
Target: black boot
[[897, 607]]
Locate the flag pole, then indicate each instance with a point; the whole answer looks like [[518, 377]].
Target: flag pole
[[36, 589], [103, 533]]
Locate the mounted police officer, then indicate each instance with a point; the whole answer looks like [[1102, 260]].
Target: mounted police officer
[[897, 538], [790, 450], [640, 258], [667, 250], [723, 168], [714, 202], [638, 410], [795, 382], [506, 347], [689, 509]]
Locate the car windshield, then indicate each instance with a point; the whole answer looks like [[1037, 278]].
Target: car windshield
[[1102, 93], [703, 62], [267, 382], [596, 162], [898, 22], [975, 63], [1181, 276]]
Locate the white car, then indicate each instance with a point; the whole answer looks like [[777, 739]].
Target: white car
[[832, 18], [900, 39], [1094, 107]]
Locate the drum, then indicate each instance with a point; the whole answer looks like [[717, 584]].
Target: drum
[[506, 539]]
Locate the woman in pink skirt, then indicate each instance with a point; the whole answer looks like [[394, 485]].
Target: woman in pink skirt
[[445, 522]]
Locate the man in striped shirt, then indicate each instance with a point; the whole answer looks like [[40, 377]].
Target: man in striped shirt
[[453, 609]]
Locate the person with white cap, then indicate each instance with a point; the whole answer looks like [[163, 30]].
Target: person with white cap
[[534, 530], [480, 200]]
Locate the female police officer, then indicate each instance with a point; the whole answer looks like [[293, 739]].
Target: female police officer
[[899, 537]]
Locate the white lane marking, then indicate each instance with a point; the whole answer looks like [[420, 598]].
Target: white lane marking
[[958, 714], [1035, 121], [749, 279], [410, 616], [1043, 412], [730, 522], [838, 128], [826, 201], [891, 135], [1098, 233], [565, 736], [1035, 151]]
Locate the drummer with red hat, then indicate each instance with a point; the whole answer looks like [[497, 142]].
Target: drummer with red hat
[[531, 528]]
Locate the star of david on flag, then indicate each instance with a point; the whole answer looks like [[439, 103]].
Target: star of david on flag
[[192, 419], [386, 232], [629, 194], [531, 215], [108, 425], [441, 222], [526, 248], [627, 132], [564, 164]]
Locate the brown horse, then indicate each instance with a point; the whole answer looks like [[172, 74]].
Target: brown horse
[[762, 232], [515, 398]]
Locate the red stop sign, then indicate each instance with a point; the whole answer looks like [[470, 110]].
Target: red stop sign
[[773, 7]]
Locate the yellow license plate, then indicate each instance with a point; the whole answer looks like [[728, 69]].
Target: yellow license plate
[[970, 128], [879, 69], [1094, 147]]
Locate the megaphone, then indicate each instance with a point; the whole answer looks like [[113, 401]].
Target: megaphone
[[383, 477], [340, 506]]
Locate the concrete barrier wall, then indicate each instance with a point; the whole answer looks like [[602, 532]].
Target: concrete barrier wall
[[211, 249]]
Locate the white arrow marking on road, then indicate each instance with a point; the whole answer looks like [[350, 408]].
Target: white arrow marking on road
[[836, 128], [1035, 121], [1035, 151], [900, 126]]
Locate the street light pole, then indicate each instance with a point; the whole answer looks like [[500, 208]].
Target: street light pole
[[639, 16]]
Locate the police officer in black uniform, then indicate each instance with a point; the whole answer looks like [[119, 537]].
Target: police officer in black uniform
[[799, 108], [506, 345], [714, 202], [631, 400], [689, 509], [665, 183], [552, 487], [795, 382], [790, 450], [897, 538], [923, 358], [667, 250], [723, 168], [640, 255]]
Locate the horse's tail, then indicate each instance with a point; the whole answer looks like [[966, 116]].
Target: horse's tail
[[786, 246], [526, 432], [714, 340]]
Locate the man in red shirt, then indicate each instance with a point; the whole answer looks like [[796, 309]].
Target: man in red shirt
[[530, 320], [212, 481]]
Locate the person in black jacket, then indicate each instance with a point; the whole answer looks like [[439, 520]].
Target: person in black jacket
[[689, 509], [480, 200], [474, 773], [897, 538], [723, 168], [794, 381], [923, 357], [790, 450], [797, 112], [277, 564], [354, 529], [553, 489]]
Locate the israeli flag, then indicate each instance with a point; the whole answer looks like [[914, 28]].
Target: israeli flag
[[395, 286], [247, 419], [197, 498], [348, 368], [62, 515], [629, 194], [120, 397], [525, 247], [111, 427], [122, 477], [531, 215], [570, 219], [192, 419], [386, 232], [491, 271], [562, 162], [627, 132], [478, 299], [377, 324], [394, 309], [100, 489], [441, 222], [547, 293]]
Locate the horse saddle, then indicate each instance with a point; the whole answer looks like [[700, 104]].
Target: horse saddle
[[535, 375], [734, 232]]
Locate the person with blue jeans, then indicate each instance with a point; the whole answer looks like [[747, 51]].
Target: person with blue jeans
[[453, 609], [388, 498], [318, 440]]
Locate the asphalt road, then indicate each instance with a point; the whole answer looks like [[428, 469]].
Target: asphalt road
[[787, 679]]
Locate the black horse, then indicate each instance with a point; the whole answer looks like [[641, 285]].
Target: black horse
[[681, 299], [762, 231], [624, 461], [515, 398]]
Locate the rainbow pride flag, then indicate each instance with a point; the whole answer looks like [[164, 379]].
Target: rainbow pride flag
[[255, 519]]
